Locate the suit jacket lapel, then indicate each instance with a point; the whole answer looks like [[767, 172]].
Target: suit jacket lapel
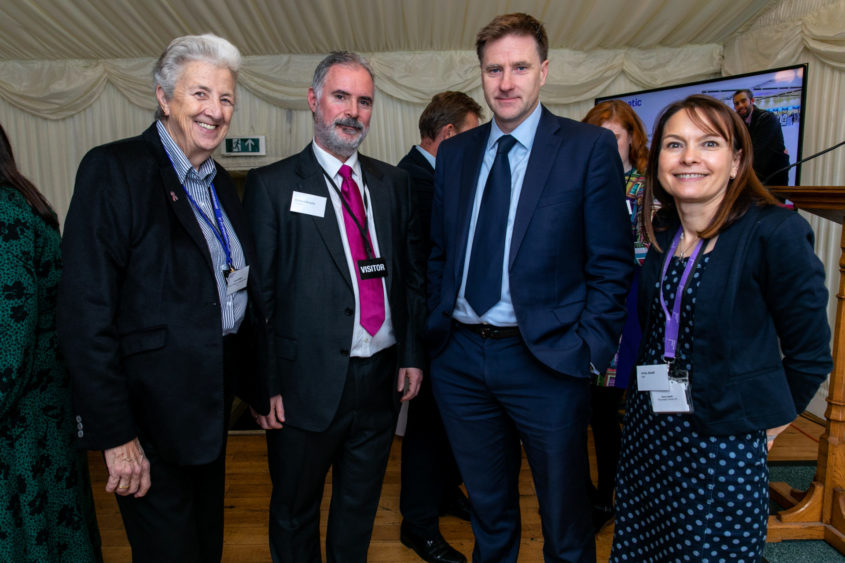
[[547, 140], [174, 194], [313, 182], [466, 194]]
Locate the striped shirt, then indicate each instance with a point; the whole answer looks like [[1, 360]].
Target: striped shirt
[[198, 184]]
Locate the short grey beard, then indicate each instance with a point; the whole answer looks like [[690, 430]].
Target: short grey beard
[[328, 137]]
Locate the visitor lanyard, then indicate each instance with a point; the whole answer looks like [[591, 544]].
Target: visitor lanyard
[[670, 334], [220, 232], [361, 229]]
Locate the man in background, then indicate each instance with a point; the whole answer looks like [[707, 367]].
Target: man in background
[[770, 154], [341, 262], [430, 477]]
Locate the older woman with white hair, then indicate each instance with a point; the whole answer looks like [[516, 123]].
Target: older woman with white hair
[[158, 311]]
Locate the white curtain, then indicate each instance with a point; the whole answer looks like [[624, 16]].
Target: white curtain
[[54, 111]]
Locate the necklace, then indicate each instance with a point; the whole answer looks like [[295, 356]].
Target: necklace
[[682, 252]]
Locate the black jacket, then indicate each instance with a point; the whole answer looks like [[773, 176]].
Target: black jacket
[[769, 150], [139, 313], [306, 283], [761, 294]]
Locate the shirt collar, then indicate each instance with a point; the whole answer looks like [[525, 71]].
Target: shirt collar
[[428, 156], [331, 164], [207, 170], [524, 132]]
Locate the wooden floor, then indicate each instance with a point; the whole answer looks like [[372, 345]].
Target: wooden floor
[[248, 491]]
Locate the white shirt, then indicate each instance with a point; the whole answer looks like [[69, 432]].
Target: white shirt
[[363, 344]]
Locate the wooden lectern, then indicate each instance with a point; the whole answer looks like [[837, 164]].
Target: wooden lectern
[[819, 512]]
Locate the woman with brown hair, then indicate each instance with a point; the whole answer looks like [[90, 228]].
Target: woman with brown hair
[[736, 341]]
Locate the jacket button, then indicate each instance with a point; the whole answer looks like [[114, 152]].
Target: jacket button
[[344, 352], [446, 314], [348, 312]]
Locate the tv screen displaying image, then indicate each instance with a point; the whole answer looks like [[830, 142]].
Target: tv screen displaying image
[[781, 91]]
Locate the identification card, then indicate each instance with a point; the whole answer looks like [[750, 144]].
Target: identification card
[[309, 204], [676, 400], [236, 280], [374, 268], [653, 378]]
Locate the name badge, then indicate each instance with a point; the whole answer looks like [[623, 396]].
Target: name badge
[[653, 378], [371, 269], [308, 204], [236, 281], [676, 400]]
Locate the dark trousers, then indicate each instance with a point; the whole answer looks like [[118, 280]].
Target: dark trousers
[[355, 446], [607, 436], [429, 473], [180, 519], [492, 394]]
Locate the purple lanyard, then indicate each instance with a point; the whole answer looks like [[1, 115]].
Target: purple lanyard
[[673, 320]]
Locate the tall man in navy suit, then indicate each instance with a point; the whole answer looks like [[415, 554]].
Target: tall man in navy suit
[[531, 261], [430, 480]]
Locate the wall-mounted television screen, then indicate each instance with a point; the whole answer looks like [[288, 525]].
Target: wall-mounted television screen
[[781, 91]]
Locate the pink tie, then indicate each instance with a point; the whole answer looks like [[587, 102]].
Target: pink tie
[[370, 292]]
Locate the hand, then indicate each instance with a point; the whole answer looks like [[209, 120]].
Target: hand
[[274, 419], [413, 378], [129, 469], [773, 433]]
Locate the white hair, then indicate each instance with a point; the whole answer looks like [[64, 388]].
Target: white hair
[[189, 48]]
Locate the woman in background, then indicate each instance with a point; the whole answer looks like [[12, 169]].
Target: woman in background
[[736, 342], [609, 388], [46, 508]]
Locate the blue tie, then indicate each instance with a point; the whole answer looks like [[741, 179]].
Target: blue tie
[[484, 276]]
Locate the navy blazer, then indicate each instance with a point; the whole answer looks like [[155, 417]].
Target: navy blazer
[[571, 255], [139, 313], [761, 294]]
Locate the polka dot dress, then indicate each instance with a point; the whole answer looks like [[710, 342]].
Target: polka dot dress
[[681, 495]]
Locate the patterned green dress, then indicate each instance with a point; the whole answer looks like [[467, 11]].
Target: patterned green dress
[[46, 508]]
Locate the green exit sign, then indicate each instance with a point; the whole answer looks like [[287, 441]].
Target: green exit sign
[[245, 146]]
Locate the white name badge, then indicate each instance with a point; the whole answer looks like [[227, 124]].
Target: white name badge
[[309, 204], [653, 378], [675, 400], [236, 280]]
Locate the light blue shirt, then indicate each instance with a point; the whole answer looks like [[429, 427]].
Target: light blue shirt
[[197, 183], [428, 156], [502, 313]]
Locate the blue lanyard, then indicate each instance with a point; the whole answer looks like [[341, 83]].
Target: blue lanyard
[[220, 232]]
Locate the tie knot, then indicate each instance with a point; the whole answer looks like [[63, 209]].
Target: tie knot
[[345, 172], [506, 143]]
